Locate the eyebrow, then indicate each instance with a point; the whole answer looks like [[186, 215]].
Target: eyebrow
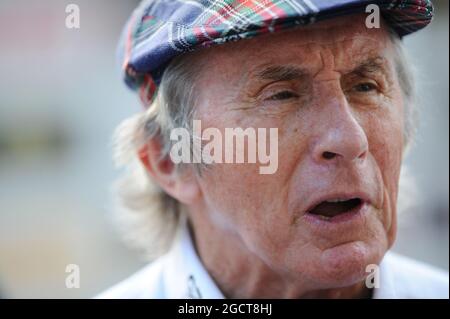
[[281, 73], [372, 65], [288, 73]]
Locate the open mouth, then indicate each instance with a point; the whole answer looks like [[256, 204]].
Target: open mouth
[[331, 208]]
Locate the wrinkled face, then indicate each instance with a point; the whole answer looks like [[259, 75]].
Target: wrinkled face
[[332, 92]]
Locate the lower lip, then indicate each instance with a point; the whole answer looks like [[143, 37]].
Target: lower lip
[[344, 218]]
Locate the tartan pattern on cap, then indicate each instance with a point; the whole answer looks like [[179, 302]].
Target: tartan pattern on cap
[[160, 30]]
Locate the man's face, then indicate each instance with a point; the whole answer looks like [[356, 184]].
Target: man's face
[[332, 91]]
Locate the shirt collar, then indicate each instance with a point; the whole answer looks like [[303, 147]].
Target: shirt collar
[[184, 274]]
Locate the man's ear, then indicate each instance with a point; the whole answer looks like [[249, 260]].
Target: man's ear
[[182, 186]]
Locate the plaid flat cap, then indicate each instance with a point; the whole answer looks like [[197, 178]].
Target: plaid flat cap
[[160, 30]]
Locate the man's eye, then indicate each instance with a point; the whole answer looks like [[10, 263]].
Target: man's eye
[[365, 87], [284, 95]]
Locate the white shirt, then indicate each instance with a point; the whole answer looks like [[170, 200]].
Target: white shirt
[[180, 274]]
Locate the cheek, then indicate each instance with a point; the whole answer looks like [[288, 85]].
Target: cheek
[[385, 134], [253, 204], [388, 145], [387, 149]]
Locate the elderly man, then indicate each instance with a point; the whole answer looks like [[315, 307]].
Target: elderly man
[[333, 81]]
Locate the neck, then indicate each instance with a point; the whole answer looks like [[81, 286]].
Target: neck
[[240, 273]]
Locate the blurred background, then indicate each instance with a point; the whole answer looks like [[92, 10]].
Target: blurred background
[[61, 97]]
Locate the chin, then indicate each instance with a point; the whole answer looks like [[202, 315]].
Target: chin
[[345, 264]]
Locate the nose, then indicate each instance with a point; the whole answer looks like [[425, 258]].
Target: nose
[[341, 138]]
